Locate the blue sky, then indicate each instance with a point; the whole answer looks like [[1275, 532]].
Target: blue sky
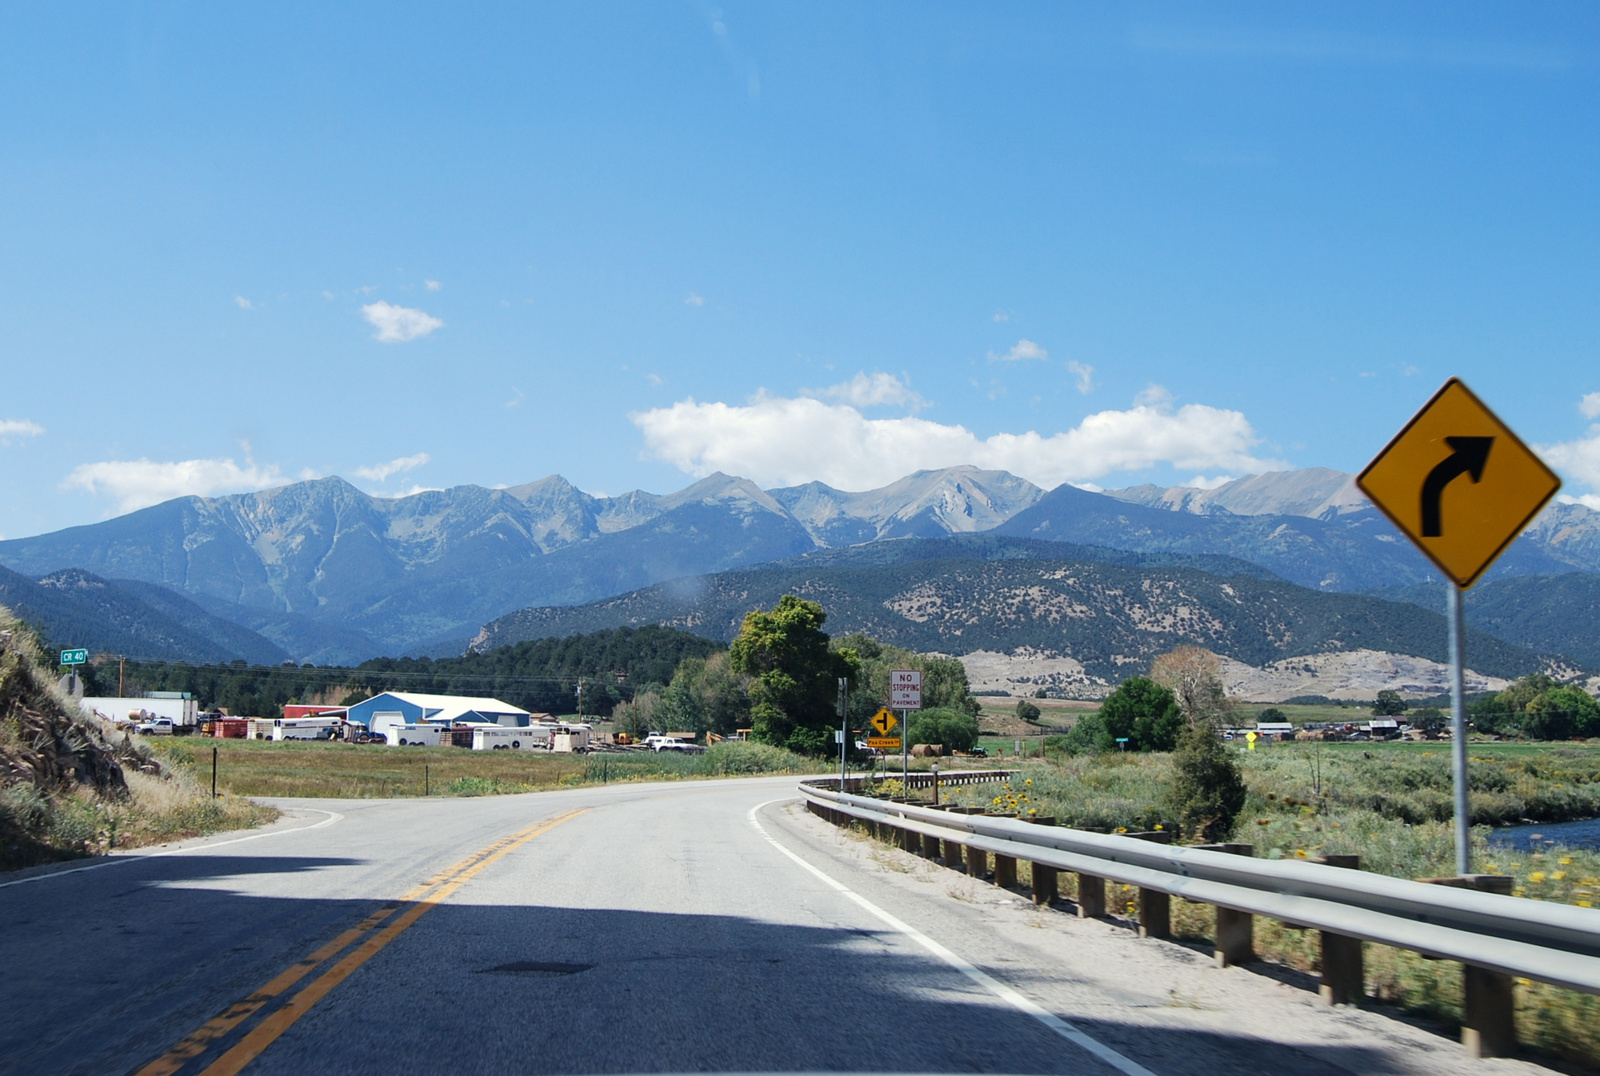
[[434, 245]]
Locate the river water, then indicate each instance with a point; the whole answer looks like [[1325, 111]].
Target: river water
[[1584, 834]]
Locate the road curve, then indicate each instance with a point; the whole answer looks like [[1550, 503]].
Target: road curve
[[676, 927]]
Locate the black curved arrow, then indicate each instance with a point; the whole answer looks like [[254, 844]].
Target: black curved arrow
[[1470, 454]]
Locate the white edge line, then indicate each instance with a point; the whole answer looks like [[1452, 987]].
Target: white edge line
[[115, 861], [1000, 990]]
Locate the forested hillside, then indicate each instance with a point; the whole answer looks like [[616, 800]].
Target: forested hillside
[[1105, 616]]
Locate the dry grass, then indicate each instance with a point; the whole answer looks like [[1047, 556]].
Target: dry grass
[[321, 770]]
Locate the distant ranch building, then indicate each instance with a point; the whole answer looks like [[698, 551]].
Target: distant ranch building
[[409, 708]]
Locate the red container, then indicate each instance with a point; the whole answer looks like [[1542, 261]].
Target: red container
[[230, 728]]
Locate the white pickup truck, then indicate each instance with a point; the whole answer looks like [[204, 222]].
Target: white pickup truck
[[161, 726]]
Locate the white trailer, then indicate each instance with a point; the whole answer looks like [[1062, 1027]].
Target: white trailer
[[571, 737], [306, 728], [423, 735], [504, 738]]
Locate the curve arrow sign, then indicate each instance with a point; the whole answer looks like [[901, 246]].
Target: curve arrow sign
[[1470, 454]]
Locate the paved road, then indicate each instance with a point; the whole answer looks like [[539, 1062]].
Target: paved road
[[689, 927]]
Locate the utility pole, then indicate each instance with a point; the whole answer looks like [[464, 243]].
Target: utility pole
[[122, 663], [844, 727], [580, 700]]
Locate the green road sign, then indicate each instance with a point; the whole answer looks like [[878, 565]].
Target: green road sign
[[74, 657]]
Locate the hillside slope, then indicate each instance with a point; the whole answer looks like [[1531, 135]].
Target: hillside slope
[[1552, 614], [77, 609]]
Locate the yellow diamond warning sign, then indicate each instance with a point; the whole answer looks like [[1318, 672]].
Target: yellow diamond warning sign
[[1458, 483], [884, 722]]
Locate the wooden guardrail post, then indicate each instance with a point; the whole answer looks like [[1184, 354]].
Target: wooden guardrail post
[[1488, 1006], [1236, 930], [1046, 882], [1344, 969], [1155, 907], [1005, 871]]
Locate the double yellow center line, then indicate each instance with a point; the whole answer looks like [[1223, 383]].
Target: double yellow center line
[[415, 904]]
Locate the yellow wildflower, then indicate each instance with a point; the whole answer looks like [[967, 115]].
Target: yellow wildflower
[[1565, 861], [1536, 877], [1586, 904], [1559, 876]]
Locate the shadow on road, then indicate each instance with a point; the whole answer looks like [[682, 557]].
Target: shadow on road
[[531, 989]]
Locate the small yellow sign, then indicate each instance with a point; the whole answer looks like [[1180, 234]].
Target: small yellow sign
[[884, 722], [884, 743], [1458, 483], [1251, 737]]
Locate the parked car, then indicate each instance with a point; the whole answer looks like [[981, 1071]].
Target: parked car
[[161, 726]]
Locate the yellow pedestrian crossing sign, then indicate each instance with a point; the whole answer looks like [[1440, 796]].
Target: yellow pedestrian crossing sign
[[1458, 483], [884, 722]]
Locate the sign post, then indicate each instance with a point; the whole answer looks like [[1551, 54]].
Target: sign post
[[1461, 486], [72, 659], [905, 695]]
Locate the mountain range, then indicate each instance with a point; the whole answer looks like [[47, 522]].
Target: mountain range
[[329, 574]]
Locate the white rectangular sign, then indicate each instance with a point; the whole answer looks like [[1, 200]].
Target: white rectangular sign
[[905, 689]]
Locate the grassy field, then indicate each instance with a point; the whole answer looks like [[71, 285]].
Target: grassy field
[[1391, 804], [354, 771]]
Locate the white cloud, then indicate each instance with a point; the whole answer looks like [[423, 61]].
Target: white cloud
[[412, 492], [1590, 501], [780, 441], [1200, 481], [1001, 315], [432, 285], [655, 379], [694, 300], [242, 303], [397, 324], [1020, 351], [381, 472], [142, 482], [1085, 375], [18, 427], [1590, 405], [872, 390], [515, 401]]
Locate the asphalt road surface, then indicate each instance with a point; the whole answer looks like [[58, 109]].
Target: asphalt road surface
[[684, 927]]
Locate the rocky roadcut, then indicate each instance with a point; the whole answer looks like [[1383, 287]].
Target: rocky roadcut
[[73, 786]]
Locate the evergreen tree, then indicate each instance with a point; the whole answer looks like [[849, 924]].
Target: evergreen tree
[[1207, 792]]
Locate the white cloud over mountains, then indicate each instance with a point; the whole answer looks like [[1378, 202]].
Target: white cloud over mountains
[[779, 441], [872, 390], [381, 472], [140, 483], [397, 324]]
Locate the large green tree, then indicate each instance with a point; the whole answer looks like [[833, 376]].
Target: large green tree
[[706, 695], [793, 674], [1141, 711]]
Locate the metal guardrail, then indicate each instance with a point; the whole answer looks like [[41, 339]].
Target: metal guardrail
[[949, 779], [1512, 936]]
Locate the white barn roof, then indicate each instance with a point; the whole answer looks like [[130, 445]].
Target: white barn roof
[[451, 707]]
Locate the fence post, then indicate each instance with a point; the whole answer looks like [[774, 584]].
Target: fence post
[[1046, 884], [1344, 972], [1005, 871], [1488, 1009], [1155, 907], [1236, 930]]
